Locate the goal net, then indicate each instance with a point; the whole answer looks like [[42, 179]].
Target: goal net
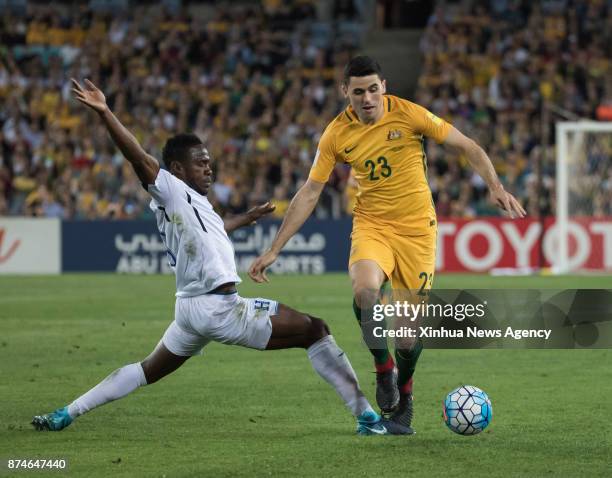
[[584, 197]]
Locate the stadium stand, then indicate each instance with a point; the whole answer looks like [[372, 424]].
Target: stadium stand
[[497, 70], [250, 81], [259, 83]]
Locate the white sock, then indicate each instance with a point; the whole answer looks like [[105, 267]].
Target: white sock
[[118, 384], [332, 364]]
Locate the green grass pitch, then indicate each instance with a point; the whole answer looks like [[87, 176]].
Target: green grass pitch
[[236, 412]]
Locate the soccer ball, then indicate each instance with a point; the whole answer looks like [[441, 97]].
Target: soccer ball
[[467, 410]]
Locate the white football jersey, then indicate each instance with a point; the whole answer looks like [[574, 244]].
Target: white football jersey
[[199, 250]]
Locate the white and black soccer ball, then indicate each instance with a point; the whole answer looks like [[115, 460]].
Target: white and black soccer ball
[[467, 410]]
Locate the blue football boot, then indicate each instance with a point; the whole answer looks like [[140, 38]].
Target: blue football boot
[[370, 423], [54, 421]]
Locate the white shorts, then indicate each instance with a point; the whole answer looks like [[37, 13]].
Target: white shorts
[[228, 319]]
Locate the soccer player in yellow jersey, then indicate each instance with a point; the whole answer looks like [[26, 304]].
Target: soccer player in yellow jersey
[[394, 226]]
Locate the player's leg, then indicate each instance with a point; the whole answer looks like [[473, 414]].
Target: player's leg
[[128, 378], [291, 328], [125, 380], [370, 264], [412, 278], [267, 325]]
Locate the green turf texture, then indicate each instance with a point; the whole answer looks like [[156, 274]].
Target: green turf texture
[[236, 412]]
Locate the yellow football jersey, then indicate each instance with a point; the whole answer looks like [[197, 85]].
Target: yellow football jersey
[[388, 161]]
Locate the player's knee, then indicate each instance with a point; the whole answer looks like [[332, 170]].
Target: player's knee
[[150, 372], [408, 344], [365, 297], [318, 329], [405, 343]]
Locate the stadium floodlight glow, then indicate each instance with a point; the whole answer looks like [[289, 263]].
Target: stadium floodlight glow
[[578, 142]]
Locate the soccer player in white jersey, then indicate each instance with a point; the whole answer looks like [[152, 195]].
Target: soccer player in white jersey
[[208, 307]]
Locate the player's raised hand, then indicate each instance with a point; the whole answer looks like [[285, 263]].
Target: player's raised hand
[[90, 95], [257, 271], [258, 211], [507, 202]]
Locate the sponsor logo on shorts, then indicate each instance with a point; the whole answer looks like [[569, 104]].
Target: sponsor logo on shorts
[[262, 304]]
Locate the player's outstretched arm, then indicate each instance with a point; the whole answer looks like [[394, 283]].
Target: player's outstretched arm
[[481, 163], [248, 218], [145, 165], [301, 207]]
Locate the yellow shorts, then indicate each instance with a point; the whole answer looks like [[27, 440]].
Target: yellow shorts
[[408, 261]]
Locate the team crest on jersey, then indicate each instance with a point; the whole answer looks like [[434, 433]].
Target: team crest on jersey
[[435, 120], [394, 134]]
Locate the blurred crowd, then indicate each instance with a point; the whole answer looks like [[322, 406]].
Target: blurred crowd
[[259, 83], [503, 72]]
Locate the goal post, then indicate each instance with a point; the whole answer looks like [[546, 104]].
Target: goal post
[[583, 165]]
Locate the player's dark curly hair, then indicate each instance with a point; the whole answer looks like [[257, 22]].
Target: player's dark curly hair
[[177, 147], [361, 66]]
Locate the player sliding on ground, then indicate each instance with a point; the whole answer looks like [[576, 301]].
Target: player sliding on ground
[[208, 307], [394, 225]]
